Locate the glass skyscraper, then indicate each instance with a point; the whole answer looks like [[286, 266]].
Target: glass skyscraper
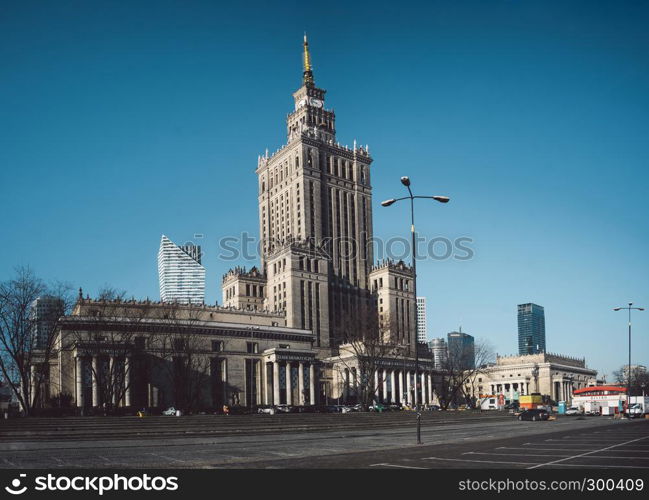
[[181, 275], [422, 326], [461, 350], [531, 329]]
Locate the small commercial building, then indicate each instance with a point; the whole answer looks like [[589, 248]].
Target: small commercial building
[[604, 399]]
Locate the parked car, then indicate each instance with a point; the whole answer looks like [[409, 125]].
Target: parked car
[[267, 409], [573, 410], [169, 412], [378, 407], [592, 413], [635, 410], [534, 415], [284, 409]]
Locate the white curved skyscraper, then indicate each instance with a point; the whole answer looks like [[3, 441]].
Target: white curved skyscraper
[[181, 275], [422, 325]]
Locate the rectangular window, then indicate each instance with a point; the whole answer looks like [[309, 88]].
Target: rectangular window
[[252, 347], [217, 345]]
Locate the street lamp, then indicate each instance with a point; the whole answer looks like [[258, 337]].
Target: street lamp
[[441, 199], [628, 374]]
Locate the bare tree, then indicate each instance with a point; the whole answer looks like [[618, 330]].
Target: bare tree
[[639, 378], [29, 317], [182, 355], [109, 292], [368, 351], [460, 370], [110, 343]]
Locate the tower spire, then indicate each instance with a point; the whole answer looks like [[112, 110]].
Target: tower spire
[[307, 76]]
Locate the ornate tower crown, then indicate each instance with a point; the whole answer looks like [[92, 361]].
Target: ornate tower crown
[[307, 77]]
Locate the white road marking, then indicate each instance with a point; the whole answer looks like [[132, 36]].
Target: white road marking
[[588, 466], [587, 453], [567, 449], [548, 455], [398, 466], [167, 458], [478, 461]]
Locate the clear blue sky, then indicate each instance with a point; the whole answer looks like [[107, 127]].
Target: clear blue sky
[[120, 121]]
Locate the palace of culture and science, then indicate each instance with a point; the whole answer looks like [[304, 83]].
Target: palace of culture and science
[[315, 224], [285, 331]]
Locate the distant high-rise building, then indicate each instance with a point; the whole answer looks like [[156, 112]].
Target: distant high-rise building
[[422, 327], [44, 313], [461, 349], [181, 275], [440, 353], [531, 329]]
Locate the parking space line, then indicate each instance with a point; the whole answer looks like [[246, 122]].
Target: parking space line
[[512, 454], [598, 466], [398, 466], [568, 449], [480, 461], [551, 455], [587, 453]]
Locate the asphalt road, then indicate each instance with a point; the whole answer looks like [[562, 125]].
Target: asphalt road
[[450, 440]]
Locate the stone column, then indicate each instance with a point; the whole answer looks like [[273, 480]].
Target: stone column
[[275, 383], [289, 389], [300, 383], [430, 388], [127, 381], [264, 380], [408, 388], [393, 387], [415, 381], [95, 385], [401, 394], [113, 384], [258, 382], [79, 381], [424, 399], [376, 386], [32, 384], [312, 383], [385, 386], [345, 383]]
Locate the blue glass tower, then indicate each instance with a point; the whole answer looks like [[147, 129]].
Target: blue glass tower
[[531, 329], [461, 350]]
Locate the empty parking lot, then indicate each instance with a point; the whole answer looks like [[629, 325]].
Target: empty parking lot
[[460, 440]]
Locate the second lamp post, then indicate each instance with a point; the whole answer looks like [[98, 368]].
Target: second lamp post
[[442, 199]]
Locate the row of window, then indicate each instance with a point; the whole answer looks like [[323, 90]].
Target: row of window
[[402, 284]]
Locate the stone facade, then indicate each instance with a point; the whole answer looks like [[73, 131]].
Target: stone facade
[[126, 354], [315, 224], [285, 330], [551, 375]]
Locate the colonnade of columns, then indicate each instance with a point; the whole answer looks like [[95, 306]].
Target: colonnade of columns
[[393, 386], [117, 379], [292, 395], [509, 388], [563, 390]]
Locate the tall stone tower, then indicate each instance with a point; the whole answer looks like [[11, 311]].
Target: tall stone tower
[[315, 218]]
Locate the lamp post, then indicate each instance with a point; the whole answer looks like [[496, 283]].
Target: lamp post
[[441, 199], [628, 374]]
